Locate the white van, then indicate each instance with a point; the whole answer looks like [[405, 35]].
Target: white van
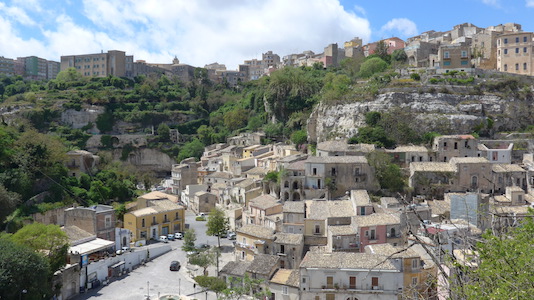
[[163, 239]]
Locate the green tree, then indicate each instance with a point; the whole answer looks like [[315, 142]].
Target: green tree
[[203, 259], [372, 118], [8, 202], [299, 137], [373, 135], [205, 134], [235, 119], [505, 268], [399, 56], [49, 239], [69, 75], [381, 50], [215, 284], [195, 148], [21, 268], [217, 224], [246, 286], [189, 241], [388, 174], [164, 132], [104, 121], [372, 66]]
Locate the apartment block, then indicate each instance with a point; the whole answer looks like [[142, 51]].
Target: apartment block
[[454, 56], [101, 64], [7, 66], [514, 53]]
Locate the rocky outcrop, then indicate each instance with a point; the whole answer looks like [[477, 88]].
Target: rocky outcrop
[[146, 159], [79, 119], [459, 113]]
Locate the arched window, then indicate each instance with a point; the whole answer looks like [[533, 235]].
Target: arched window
[[286, 184]]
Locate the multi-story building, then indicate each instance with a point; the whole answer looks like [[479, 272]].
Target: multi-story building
[[289, 247], [377, 228], [514, 53], [252, 240], [159, 217], [293, 217], [260, 208], [449, 146], [101, 64], [344, 275], [7, 66], [98, 220], [183, 174], [418, 53], [454, 56], [81, 161], [393, 44]]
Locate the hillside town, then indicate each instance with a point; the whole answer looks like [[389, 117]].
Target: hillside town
[[305, 220]]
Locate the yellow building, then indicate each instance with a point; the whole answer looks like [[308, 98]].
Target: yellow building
[[251, 240], [159, 217]]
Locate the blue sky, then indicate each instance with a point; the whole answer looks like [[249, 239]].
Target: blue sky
[[200, 32]]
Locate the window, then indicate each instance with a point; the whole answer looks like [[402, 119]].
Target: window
[[455, 145], [415, 264], [143, 223], [282, 249], [333, 171], [506, 41], [303, 279], [524, 39], [329, 282], [505, 51], [516, 50], [445, 145], [108, 221], [362, 210], [153, 220], [446, 63], [505, 67], [373, 234], [464, 62], [176, 216], [317, 229], [517, 39], [525, 66], [374, 281], [464, 53], [516, 67], [414, 280], [357, 171], [242, 254], [524, 49], [446, 54], [314, 171], [352, 282], [284, 290]]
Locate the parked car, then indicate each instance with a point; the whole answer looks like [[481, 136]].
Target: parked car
[[124, 249], [163, 239], [175, 266], [231, 235], [170, 237], [179, 235], [224, 234], [202, 247]]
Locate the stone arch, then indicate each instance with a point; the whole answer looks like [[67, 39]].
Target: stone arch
[[295, 185], [286, 184], [296, 196]]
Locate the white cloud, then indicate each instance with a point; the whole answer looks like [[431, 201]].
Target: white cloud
[[494, 3], [402, 26], [530, 3], [16, 14], [198, 32]]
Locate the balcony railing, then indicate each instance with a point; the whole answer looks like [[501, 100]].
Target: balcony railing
[[344, 287]]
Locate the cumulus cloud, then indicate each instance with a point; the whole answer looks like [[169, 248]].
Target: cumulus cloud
[[530, 3], [198, 32], [402, 26]]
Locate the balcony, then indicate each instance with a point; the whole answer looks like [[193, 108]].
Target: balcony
[[154, 223], [342, 287]]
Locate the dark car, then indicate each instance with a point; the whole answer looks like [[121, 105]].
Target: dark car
[[202, 247], [175, 266]]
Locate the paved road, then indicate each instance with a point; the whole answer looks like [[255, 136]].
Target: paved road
[[155, 277]]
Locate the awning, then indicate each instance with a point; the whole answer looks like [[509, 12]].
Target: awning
[[120, 263], [92, 246]]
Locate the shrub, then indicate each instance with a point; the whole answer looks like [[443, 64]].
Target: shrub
[[415, 76]]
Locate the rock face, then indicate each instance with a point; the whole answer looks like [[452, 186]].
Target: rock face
[[78, 119], [459, 113], [147, 159]]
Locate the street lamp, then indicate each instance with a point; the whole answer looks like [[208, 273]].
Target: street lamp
[[22, 292]]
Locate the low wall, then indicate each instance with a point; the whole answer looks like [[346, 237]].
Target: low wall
[[131, 260]]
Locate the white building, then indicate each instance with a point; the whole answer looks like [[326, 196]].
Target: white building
[[342, 275]]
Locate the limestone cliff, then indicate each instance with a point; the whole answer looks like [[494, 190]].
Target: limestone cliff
[[459, 113]]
